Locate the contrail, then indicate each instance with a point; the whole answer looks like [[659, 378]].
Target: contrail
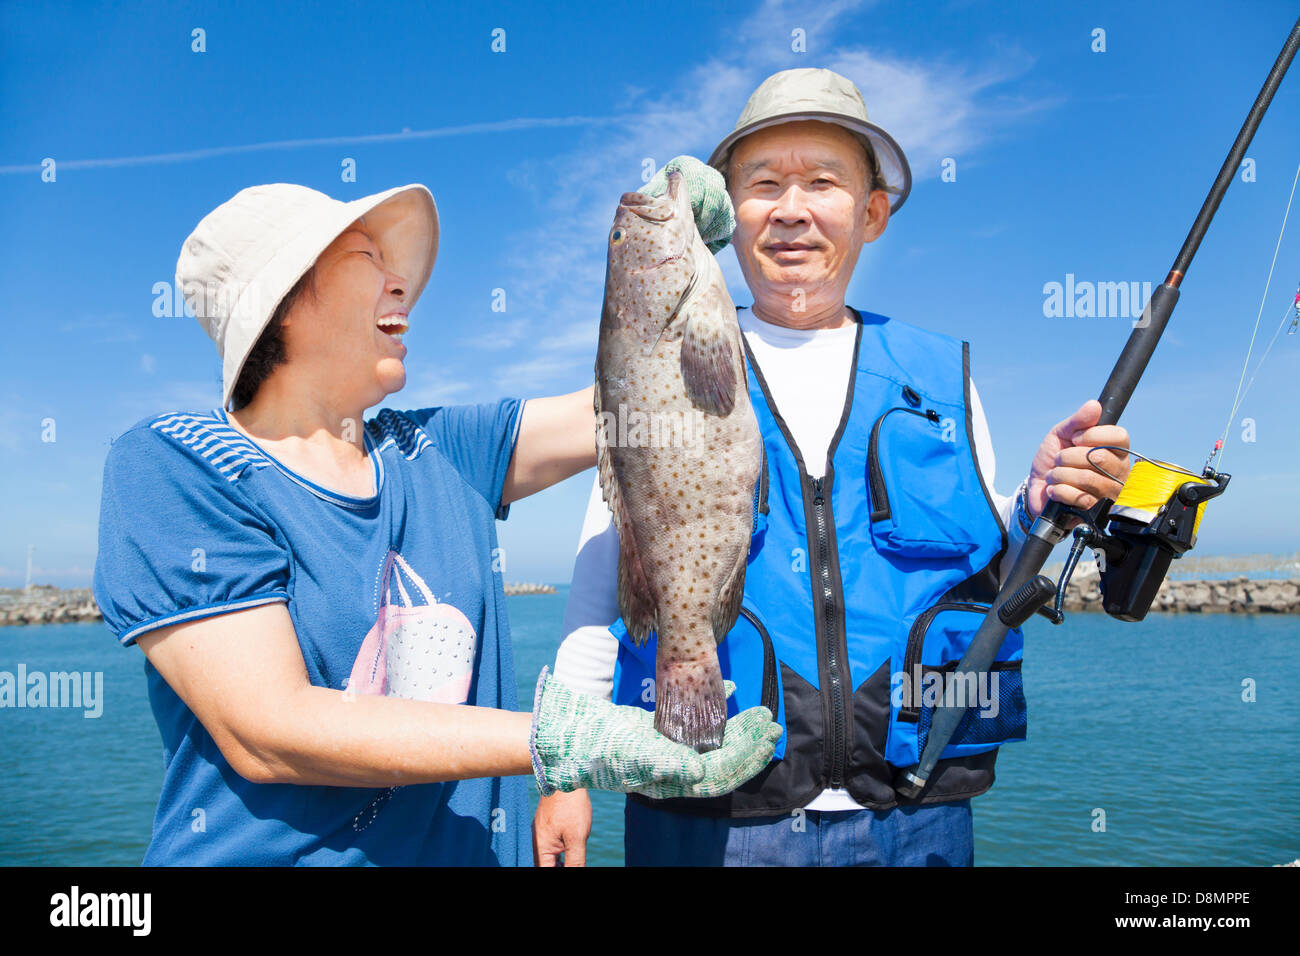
[[499, 126]]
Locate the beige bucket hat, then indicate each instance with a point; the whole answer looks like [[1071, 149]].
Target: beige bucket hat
[[244, 256], [817, 94]]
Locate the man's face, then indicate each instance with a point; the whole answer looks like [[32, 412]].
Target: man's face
[[802, 213]]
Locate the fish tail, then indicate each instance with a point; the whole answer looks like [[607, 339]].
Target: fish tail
[[691, 703]]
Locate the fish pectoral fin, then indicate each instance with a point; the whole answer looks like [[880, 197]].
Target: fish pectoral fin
[[640, 615], [711, 369], [730, 596]]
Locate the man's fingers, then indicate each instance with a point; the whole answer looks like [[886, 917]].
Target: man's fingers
[[1100, 435], [1099, 463], [1083, 479], [545, 849], [1085, 417], [575, 853]]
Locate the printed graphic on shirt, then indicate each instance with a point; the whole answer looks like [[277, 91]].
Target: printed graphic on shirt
[[419, 651]]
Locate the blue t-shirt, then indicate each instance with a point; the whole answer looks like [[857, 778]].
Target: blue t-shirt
[[400, 593]]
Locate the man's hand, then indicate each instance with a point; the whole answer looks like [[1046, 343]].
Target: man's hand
[[562, 824], [710, 204], [1061, 470]]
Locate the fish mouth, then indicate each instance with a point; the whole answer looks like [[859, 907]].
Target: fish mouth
[[651, 208], [658, 264]]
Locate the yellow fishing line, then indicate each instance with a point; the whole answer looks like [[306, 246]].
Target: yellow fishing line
[[1150, 485]]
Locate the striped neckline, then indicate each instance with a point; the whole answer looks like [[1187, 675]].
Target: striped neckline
[[320, 491]]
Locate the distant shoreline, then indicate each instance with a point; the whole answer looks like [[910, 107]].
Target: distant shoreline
[[46, 604]]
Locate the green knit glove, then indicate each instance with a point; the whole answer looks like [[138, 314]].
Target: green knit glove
[[714, 216], [581, 742]]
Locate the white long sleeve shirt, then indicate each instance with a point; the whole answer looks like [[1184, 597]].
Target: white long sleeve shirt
[[807, 372]]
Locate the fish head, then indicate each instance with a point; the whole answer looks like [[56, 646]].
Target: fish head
[[651, 260]]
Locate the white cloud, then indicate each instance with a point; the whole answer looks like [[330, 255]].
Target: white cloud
[[500, 334], [467, 129], [934, 109], [431, 391]]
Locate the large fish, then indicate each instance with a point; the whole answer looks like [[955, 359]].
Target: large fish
[[670, 365]]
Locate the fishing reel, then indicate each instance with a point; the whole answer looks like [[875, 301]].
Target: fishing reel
[[1135, 537]]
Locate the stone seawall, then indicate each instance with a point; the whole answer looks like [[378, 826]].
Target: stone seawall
[[47, 605], [50, 605], [527, 588], [1239, 595]]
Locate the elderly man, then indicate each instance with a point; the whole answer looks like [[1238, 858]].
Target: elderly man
[[880, 544]]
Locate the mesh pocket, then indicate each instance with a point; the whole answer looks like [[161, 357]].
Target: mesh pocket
[[980, 725]]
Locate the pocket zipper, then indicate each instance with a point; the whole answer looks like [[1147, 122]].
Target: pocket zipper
[[875, 478], [916, 641], [769, 663]]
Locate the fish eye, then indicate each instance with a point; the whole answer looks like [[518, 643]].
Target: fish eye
[[617, 236]]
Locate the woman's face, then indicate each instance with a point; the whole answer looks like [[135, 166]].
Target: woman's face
[[349, 334]]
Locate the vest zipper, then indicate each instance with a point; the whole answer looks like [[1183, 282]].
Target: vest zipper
[[916, 642], [835, 664]]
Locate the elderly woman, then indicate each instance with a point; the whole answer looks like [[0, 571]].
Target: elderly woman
[[327, 650]]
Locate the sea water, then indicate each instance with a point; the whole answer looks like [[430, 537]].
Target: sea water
[[1168, 742]]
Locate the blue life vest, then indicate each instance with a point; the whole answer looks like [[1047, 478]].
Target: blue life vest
[[864, 588]]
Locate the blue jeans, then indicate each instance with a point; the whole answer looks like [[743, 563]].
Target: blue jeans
[[937, 834]]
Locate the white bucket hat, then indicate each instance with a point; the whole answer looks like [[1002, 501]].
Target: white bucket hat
[[815, 94], [244, 256]]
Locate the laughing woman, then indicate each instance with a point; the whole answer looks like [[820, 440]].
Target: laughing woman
[[328, 656]]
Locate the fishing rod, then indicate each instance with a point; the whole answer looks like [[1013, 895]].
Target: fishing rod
[[1135, 552]]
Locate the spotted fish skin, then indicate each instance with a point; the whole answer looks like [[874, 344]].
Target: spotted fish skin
[[670, 350]]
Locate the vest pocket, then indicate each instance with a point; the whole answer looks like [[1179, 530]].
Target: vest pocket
[[996, 714], [918, 485], [746, 656], [995, 701]]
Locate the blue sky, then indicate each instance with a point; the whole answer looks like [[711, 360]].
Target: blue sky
[[1068, 161]]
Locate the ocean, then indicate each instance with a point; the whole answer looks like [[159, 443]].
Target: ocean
[[1143, 728]]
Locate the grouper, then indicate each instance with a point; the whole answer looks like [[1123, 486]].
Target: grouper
[[679, 453]]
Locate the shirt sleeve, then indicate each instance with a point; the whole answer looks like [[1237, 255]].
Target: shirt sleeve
[[586, 658], [478, 440], [178, 541], [1006, 506]]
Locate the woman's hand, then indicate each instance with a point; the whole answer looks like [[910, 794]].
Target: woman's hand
[[582, 742], [557, 439]]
